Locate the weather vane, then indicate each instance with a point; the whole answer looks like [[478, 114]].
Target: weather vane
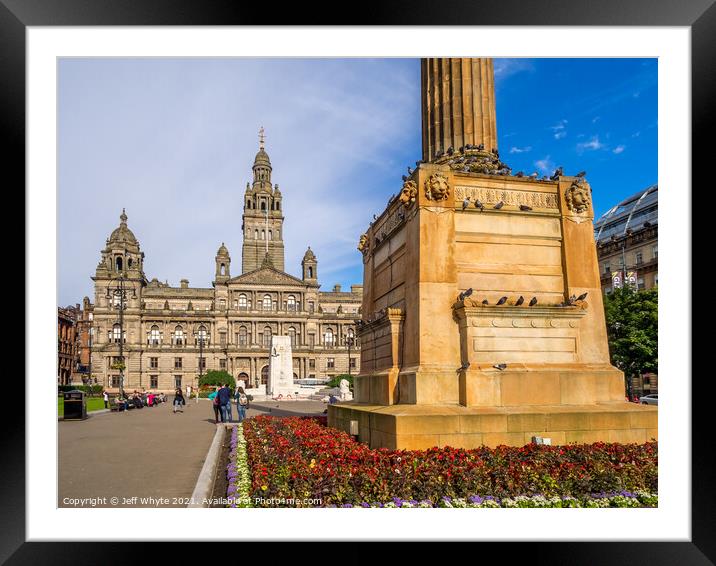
[[261, 137]]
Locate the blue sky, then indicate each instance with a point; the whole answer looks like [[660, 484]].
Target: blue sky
[[173, 141]]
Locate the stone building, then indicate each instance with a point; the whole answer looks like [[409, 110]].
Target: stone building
[[66, 345], [627, 237], [164, 333]]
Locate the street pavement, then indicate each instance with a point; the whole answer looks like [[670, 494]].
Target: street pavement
[[145, 457]]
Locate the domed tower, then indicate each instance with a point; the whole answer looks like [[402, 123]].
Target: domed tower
[[262, 221], [223, 262], [121, 258], [310, 266]]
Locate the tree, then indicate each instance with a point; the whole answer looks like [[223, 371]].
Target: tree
[[220, 377], [632, 329]]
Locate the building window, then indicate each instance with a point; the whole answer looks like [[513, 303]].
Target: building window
[[607, 268], [222, 364], [201, 336], [353, 363], [115, 381], [331, 363], [116, 333], [640, 283], [222, 303], [311, 364], [291, 303], [639, 258], [292, 336], [311, 340], [266, 303], [311, 307], [153, 381], [177, 363], [243, 303], [178, 336], [177, 381], [154, 336], [267, 336], [328, 338], [243, 334], [654, 251], [222, 338], [153, 363]]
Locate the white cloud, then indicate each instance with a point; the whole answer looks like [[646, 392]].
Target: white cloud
[[545, 165], [618, 149], [507, 67], [592, 144], [559, 129], [520, 149]]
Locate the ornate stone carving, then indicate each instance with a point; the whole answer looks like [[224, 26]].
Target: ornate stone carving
[[409, 193], [488, 196], [437, 187], [363, 243], [578, 196]]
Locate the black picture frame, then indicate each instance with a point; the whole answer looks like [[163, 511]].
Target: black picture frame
[[699, 15]]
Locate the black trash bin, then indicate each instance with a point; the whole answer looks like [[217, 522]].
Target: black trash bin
[[75, 405]]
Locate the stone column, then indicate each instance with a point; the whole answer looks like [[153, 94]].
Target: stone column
[[458, 104]]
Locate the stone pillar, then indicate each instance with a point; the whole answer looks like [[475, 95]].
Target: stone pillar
[[458, 104]]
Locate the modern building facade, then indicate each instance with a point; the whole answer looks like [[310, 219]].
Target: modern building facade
[[627, 237], [150, 335]]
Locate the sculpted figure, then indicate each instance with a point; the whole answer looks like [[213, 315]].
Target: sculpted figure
[[578, 197], [409, 193], [436, 187]]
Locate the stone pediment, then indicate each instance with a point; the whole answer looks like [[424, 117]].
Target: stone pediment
[[268, 276]]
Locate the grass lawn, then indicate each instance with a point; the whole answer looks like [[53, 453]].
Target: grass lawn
[[93, 404]]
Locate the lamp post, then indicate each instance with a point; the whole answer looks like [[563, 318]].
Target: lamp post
[[88, 324], [349, 342], [117, 293], [200, 337]]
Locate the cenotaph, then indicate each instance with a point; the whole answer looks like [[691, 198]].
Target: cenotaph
[[280, 378], [482, 315]]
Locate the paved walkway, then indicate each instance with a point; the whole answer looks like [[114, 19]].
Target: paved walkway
[[145, 453]]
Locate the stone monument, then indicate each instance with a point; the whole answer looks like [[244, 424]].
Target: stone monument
[[280, 379], [482, 315]]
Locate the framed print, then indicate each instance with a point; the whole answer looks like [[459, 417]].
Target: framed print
[[492, 341]]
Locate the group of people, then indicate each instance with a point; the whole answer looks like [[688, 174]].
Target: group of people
[[136, 400], [221, 401]]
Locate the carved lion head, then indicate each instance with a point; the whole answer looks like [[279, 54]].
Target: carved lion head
[[436, 187], [578, 197]]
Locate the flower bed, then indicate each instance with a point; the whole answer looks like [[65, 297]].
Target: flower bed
[[299, 459], [237, 470]]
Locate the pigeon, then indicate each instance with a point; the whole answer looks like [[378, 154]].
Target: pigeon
[[481, 147], [375, 217], [581, 174], [499, 205], [479, 204], [582, 296], [410, 171], [519, 174], [571, 299], [533, 302], [464, 365], [465, 202], [464, 294], [461, 149], [525, 208], [485, 302], [450, 150], [520, 301], [502, 301], [439, 154], [417, 163], [557, 173], [500, 366], [534, 175], [404, 178]]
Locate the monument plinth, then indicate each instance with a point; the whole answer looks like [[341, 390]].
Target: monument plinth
[[280, 379], [483, 320]]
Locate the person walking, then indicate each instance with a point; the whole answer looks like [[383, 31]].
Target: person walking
[[106, 400], [214, 398], [225, 402], [242, 403], [229, 415], [179, 401]]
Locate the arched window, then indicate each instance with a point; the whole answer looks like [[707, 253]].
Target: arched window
[[328, 337], [292, 335], [222, 304], [267, 303], [129, 263], [243, 303], [270, 235], [201, 335], [291, 303], [116, 333], [267, 336], [263, 205], [264, 375], [278, 206], [243, 336], [178, 337], [310, 273], [263, 234], [256, 234], [155, 337], [118, 263], [223, 269]]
